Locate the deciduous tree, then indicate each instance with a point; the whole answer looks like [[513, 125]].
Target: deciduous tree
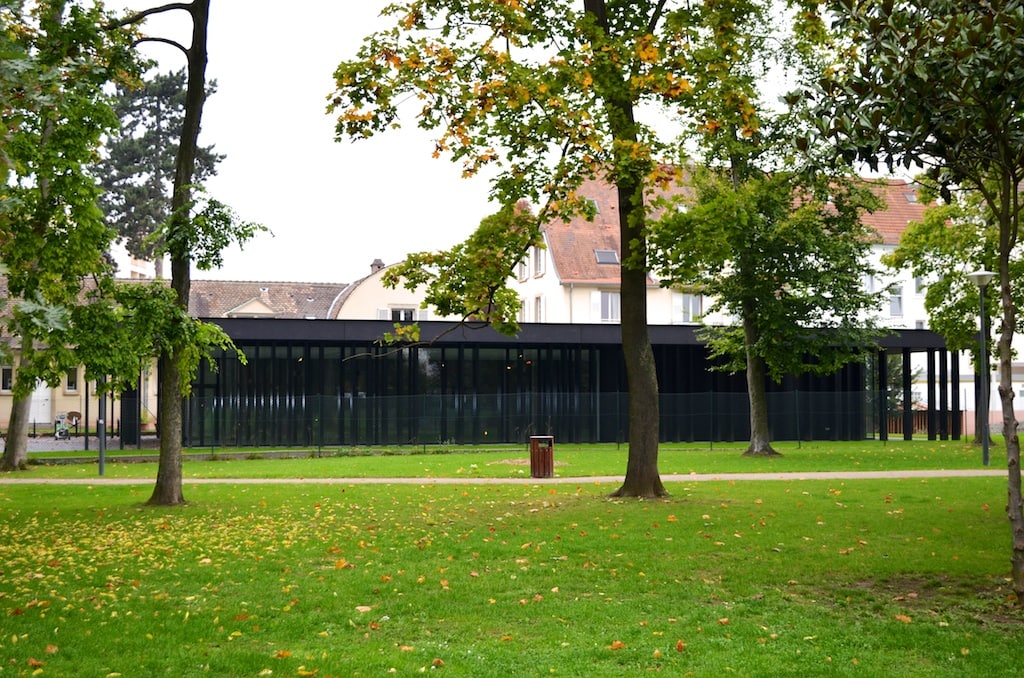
[[545, 96], [938, 84], [955, 238], [197, 229], [772, 242], [52, 235], [786, 255]]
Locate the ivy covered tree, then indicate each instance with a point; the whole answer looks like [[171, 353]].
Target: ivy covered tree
[[137, 170], [52, 234], [545, 96], [937, 84]]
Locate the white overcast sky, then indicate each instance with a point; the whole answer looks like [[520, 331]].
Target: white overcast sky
[[333, 207]]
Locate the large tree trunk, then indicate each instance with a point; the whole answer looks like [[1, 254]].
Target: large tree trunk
[[15, 457], [168, 490], [642, 476], [760, 435]]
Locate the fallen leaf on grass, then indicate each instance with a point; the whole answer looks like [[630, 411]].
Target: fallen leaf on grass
[[363, 608], [617, 645], [903, 618], [680, 646]]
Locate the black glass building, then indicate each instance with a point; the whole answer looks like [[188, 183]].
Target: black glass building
[[330, 382]]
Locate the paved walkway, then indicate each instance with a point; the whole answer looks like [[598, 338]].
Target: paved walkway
[[560, 480]]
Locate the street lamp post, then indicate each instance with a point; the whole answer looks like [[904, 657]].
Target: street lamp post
[[982, 278]]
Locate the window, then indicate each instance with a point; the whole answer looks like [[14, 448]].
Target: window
[[71, 381], [524, 270], [538, 262], [401, 315], [538, 309], [918, 324], [896, 301], [6, 378], [606, 256], [919, 285], [610, 311], [686, 307]]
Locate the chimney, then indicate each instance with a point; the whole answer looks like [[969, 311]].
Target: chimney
[[377, 265]]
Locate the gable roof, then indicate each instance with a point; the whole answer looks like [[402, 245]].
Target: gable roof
[[255, 299], [900, 207], [573, 245]]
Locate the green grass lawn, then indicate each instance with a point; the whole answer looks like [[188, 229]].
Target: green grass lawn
[[570, 461], [781, 578]]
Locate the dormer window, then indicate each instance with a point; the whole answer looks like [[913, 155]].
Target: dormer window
[[606, 256]]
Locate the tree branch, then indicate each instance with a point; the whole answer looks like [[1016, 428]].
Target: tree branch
[[166, 41], [140, 16], [656, 16]]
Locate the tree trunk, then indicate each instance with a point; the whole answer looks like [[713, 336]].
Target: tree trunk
[[642, 476], [760, 435], [1014, 501], [15, 457], [168, 490]]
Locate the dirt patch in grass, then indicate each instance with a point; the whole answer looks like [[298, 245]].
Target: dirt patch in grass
[[987, 601]]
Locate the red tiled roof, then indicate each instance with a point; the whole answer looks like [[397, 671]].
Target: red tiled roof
[[573, 244], [900, 207]]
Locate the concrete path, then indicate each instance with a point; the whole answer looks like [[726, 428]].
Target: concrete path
[[560, 480]]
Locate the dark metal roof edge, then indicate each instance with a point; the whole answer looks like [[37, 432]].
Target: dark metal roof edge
[[367, 331]]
